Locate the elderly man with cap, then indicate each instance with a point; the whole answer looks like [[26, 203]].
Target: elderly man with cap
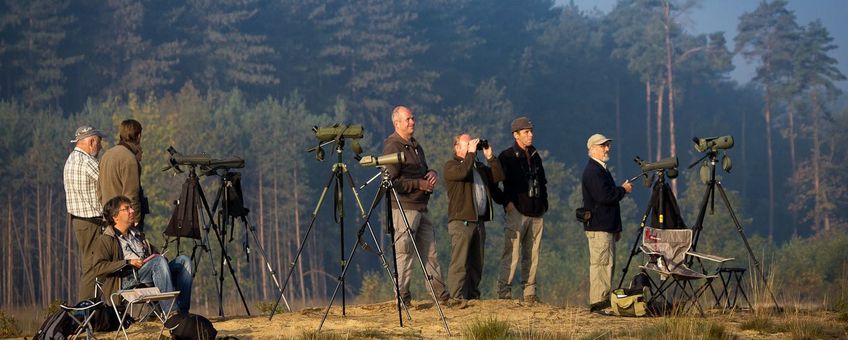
[[601, 197], [525, 200], [80, 177]]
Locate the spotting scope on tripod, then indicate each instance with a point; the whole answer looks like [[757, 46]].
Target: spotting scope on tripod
[[228, 206]]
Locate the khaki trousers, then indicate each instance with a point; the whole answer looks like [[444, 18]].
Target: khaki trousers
[[425, 241], [522, 237], [601, 264]]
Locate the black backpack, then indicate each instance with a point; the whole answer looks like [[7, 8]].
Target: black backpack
[[59, 325], [191, 326]]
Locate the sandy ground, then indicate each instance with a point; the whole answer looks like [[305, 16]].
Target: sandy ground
[[381, 321]]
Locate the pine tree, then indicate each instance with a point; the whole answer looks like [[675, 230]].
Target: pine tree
[[768, 35], [35, 30]]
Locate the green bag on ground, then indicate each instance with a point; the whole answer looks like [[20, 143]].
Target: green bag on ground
[[627, 305]]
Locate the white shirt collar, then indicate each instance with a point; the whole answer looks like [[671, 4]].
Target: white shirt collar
[[599, 162]]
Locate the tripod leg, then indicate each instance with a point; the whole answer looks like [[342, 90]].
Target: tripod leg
[[302, 243], [428, 278], [262, 253], [366, 217], [745, 240]]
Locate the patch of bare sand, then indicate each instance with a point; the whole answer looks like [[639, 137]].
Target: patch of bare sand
[[382, 318]]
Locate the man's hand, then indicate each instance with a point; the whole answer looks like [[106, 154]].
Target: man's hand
[[488, 152], [628, 187], [617, 237], [509, 207], [472, 145], [137, 263], [429, 181]]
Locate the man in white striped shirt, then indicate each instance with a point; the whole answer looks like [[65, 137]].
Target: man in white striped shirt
[[84, 209]]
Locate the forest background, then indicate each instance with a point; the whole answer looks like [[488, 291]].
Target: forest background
[[251, 78]]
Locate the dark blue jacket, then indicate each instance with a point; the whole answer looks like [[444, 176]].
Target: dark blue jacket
[[601, 196]]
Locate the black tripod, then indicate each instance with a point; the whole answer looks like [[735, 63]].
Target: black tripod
[[709, 199], [664, 212], [185, 222], [384, 185], [336, 176]]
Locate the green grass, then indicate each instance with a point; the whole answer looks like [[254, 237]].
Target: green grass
[[8, 326], [685, 328], [487, 329]]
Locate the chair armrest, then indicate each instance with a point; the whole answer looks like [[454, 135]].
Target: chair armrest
[[649, 251], [72, 308], [709, 257]]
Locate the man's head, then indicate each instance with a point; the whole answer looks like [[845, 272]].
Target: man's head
[[118, 212], [403, 121], [599, 147], [130, 131], [88, 139], [460, 145], [522, 131]]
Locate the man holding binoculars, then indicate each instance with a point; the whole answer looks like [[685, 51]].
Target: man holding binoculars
[[470, 204], [525, 200]]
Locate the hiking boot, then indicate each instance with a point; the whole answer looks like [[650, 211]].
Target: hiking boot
[[461, 303], [531, 300], [408, 302]]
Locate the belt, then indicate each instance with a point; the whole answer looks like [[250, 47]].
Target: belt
[[94, 220]]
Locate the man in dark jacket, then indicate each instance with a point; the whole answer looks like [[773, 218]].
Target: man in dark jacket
[[414, 182], [525, 200], [601, 196], [469, 205]]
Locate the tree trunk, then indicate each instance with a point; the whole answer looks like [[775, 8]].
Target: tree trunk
[[770, 167], [262, 242], [39, 232], [648, 112], [669, 68], [821, 223], [297, 235], [25, 249], [660, 97], [8, 289], [790, 110]]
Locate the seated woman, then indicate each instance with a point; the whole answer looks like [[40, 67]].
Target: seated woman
[[122, 248]]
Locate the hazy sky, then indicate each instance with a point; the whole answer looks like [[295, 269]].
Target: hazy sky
[[723, 15]]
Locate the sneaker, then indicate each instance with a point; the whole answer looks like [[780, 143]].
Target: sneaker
[[461, 303], [505, 295], [408, 302]]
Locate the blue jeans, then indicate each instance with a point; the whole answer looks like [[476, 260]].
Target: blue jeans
[[168, 277]]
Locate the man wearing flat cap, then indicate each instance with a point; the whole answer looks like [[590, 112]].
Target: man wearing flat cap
[[525, 201], [601, 197], [80, 177]]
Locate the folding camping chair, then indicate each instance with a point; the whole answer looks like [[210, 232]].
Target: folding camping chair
[[145, 297], [667, 250], [82, 314]]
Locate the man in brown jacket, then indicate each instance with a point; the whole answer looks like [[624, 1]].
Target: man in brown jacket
[[469, 206], [123, 259], [414, 182], [120, 170]]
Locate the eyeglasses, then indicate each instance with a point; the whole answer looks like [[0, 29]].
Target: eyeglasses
[[126, 209]]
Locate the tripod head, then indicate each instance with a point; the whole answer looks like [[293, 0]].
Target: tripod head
[[337, 133], [206, 163]]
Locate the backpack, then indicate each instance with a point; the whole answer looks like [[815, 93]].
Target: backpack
[[191, 326], [58, 325]]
